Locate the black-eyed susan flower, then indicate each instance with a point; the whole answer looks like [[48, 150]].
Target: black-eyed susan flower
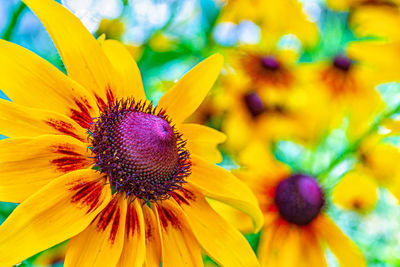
[[379, 160], [376, 167], [345, 5], [356, 191], [348, 83], [268, 98], [90, 159], [297, 230], [274, 18]]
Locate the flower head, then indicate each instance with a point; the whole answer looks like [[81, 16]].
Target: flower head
[[126, 181], [297, 227]]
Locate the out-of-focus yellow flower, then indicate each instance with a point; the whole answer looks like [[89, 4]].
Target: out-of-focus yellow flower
[[276, 18], [356, 191], [268, 98], [379, 20], [296, 227], [380, 161], [349, 87], [344, 5], [161, 42], [112, 28]]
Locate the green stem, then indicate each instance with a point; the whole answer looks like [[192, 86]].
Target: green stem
[[13, 22], [356, 144]]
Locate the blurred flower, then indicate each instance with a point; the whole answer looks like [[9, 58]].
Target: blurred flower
[[343, 5], [112, 28], [296, 227], [268, 98], [276, 18], [348, 82], [136, 196], [161, 42], [379, 161], [377, 18], [356, 191]]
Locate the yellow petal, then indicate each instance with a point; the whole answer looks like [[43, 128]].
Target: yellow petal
[[179, 246], [82, 55], [20, 121], [218, 183], [184, 98], [127, 68], [134, 250], [60, 210], [27, 164], [344, 249], [230, 248], [153, 239], [101, 243], [203, 141], [31, 81]]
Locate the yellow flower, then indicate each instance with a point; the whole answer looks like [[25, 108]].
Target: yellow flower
[[296, 230], [342, 5], [379, 19], [348, 81], [112, 28], [356, 191], [379, 160], [268, 98], [276, 18], [137, 195]]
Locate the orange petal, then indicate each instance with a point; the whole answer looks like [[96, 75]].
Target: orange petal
[[60, 210], [101, 243], [186, 96], [134, 251], [28, 164], [179, 246], [230, 248]]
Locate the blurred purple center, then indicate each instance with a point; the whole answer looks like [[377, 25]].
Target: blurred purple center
[[270, 62], [299, 199], [342, 62], [254, 103]]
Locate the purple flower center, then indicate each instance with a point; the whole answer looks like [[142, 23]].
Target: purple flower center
[[254, 103], [342, 62], [139, 151], [270, 62], [299, 199]]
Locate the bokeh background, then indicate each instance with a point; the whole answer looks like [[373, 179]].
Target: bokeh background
[[326, 134]]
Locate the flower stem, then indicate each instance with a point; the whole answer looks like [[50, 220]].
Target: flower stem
[[356, 144], [13, 22]]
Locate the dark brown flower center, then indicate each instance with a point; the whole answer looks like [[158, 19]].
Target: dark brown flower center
[[254, 104], [141, 153], [270, 62], [299, 199], [342, 62]]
